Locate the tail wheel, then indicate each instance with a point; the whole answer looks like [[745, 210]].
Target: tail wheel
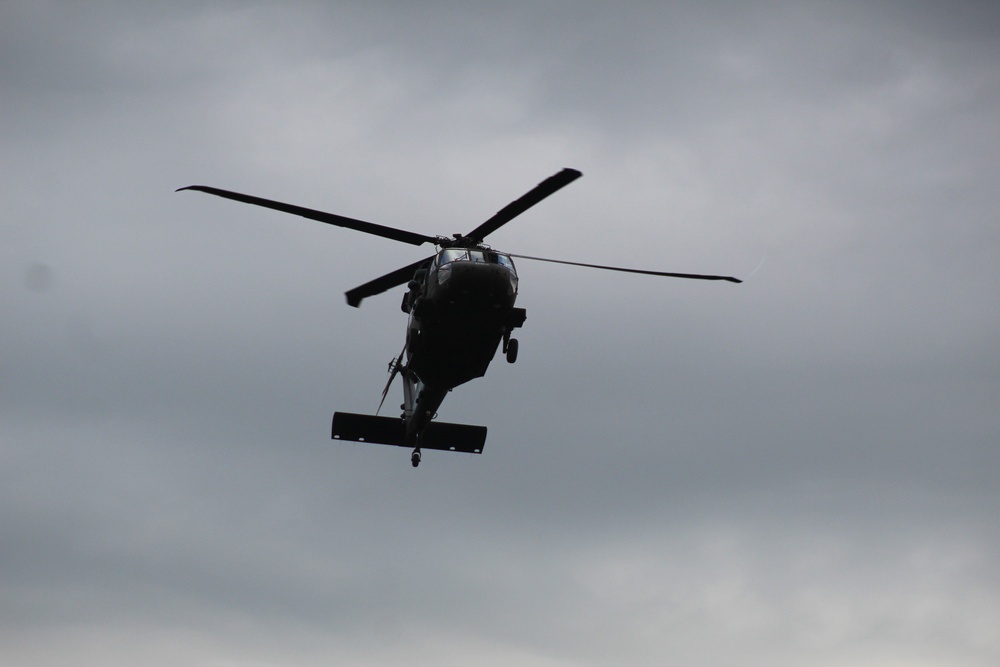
[[512, 351]]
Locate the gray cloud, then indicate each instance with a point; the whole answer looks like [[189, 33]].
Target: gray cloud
[[797, 469]]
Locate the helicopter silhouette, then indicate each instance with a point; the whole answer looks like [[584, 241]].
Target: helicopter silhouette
[[460, 303]]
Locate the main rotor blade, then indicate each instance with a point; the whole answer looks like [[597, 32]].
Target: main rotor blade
[[328, 218], [695, 276], [383, 283], [547, 187]]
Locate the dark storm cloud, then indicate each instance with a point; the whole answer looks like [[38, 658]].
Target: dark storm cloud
[[798, 466]]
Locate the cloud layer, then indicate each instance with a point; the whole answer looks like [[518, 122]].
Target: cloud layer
[[799, 469]]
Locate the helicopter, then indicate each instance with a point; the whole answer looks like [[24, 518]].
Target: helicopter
[[460, 303]]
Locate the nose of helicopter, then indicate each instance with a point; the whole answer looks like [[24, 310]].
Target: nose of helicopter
[[489, 284]]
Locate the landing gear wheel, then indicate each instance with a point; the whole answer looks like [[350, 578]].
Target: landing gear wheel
[[512, 351], [415, 458]]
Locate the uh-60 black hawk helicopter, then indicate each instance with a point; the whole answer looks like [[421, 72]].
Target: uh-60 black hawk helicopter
[[461, 307]]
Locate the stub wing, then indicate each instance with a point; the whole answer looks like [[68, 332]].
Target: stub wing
[[391, 431]]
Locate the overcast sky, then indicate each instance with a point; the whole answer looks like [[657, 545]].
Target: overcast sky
[[798, 470]]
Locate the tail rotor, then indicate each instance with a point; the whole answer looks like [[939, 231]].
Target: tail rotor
[[395, 366]]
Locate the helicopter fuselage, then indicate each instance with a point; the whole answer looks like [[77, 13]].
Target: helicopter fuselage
[[461, 309]]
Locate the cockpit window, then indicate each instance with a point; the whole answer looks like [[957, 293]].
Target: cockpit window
[[504, 260], [452, 255]]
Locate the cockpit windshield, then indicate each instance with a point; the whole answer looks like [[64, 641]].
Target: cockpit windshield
[[452, 255], [449, 255], [504, 260]]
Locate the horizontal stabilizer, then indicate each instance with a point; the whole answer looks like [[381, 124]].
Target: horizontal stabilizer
[[392, 431]]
